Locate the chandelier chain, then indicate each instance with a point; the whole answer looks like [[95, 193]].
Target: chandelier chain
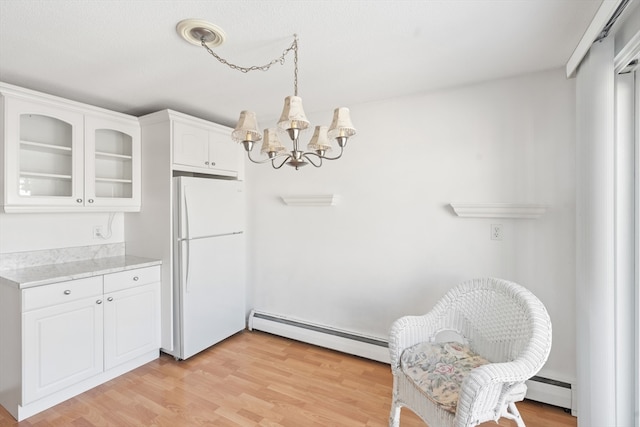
[[280, 59], [295, 64]]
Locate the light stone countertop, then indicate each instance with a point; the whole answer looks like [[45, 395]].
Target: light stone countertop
[[27, 277]]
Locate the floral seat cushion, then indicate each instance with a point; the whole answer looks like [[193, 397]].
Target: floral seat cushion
[[438, 369]]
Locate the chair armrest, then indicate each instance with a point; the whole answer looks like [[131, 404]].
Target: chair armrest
[[487, 388], [408, 331]]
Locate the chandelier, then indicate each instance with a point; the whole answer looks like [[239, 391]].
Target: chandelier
[[293, 121]]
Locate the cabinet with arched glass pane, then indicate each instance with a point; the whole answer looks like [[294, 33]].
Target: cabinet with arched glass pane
[[64, 156], [112, 167]]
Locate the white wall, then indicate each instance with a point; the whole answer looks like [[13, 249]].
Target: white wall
[[31, 232], [392, 246]]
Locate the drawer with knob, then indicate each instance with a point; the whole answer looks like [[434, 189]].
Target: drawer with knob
[[61, 292], [131, 278]]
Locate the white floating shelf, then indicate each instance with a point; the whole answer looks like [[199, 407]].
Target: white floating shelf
[[499, 210], [113, 155], [311, 200], [45, 175]]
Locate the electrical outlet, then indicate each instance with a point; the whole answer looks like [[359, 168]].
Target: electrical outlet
[[496, 231], [97, 232]]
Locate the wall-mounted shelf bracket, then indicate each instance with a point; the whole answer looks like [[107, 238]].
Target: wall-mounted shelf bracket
[[499, 210], [311, 200]]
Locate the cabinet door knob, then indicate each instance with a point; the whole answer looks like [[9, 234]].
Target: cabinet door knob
[[135, 278], [90, 200], [67, 292], [206, 163], [99, 301], [110, 299], [79, 200]]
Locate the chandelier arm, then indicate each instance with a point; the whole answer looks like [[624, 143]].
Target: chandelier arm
[[334, 158], [293, 47], [258, 161], [306, 156], [286, 159]]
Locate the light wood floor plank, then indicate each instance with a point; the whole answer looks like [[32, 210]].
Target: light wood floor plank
[[252, 379]]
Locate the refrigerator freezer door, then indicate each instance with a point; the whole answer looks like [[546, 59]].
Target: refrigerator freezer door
[[212, 298], [209, 207]]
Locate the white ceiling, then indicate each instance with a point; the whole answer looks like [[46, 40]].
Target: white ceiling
[[125, 55]]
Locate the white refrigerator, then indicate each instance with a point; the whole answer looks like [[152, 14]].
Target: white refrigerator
[[209, 262]]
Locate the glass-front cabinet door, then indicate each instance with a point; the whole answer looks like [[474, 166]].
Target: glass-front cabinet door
[[45, 159], [112, 168]]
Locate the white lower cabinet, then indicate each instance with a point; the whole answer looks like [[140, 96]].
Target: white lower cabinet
[[62, 346], [131, 324], [76, 335]]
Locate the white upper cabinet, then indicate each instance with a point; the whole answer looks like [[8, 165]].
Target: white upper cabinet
[[61, 156], [225, 154], [44, 163], [190, 145], [205, 146], [112, 162]]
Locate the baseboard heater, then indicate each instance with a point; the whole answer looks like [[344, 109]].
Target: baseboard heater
[[321, 335], [553, 392], [540, 389]]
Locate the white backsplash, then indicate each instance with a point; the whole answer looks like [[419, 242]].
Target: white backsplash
[[12, 261]]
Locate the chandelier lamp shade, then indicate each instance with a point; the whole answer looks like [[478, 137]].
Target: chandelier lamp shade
[[293, 121]]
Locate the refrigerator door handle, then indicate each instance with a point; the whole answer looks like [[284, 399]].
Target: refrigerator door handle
[[188, 264], [184, 263], [186, 212], [232, 233], [187, 235]]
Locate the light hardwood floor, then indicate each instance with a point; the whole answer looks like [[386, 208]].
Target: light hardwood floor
[[252, 379]]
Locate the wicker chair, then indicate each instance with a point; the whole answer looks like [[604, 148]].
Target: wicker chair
[[498, 320]]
